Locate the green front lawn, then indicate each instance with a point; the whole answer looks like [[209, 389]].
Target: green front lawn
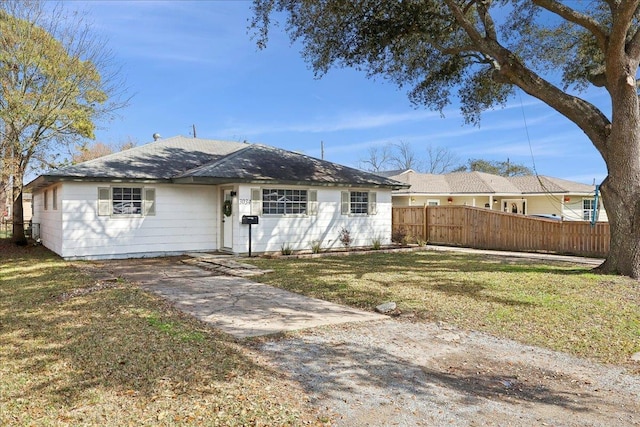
[[556, 305]]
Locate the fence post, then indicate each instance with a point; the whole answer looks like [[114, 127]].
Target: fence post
[[426, 224]]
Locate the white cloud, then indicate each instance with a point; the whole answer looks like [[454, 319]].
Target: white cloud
[[345, 122]]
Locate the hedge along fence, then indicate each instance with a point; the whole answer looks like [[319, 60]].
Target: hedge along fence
[[487, 229]]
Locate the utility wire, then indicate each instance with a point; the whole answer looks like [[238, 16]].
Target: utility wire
[[548, 192]]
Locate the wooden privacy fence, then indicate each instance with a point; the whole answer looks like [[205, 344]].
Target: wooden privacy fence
[[486, 229]]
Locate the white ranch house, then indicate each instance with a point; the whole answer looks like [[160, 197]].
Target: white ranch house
[[528, 195], [180, 195]]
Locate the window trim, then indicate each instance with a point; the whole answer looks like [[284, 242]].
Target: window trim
[[147, 201], [45, 197], [54, 198], [258, 202], [346, 202], [587, 214], [123, 201], [358, 203]]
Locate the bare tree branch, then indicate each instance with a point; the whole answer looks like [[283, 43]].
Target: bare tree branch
[[377, 160]]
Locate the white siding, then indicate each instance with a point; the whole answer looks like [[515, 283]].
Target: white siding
[[299, 232], [185, 220], [188, 219], [573, 210], [50, 220]]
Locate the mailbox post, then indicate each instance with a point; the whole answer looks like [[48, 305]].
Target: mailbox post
[[250, 220]]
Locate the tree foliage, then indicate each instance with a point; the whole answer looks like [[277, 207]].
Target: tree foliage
[[55, 84], [89, 151], [477, 52], [496, 167]]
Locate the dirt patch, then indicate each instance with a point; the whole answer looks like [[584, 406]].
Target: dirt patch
[[397, 372]]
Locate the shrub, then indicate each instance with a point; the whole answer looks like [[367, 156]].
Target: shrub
[[399, 235], [285, 249], [376, 243], [345, 237], [316, 246]]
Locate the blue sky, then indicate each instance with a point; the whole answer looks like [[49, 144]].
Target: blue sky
[[194, 63]]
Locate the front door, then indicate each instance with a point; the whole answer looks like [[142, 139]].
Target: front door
[[227, 221], [518, 206]]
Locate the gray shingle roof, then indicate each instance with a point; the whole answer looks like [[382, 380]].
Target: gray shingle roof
[[261, 163], [186, 160], [485, 183], [161, 159]]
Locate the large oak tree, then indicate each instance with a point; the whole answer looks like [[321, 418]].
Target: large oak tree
[[55, 83], [480, 51]]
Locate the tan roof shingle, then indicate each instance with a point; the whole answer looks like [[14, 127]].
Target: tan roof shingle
[[486, 183]]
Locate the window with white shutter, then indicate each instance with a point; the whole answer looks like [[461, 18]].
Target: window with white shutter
[[256, 202], [104, 201], [126, 201], [312, 208], [358, 203], [149, 201]]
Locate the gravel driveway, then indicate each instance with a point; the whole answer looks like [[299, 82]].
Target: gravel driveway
[[399, 373]]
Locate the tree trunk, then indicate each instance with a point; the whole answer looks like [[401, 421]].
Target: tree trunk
[[622, 203], [621, 188], [18, 215]]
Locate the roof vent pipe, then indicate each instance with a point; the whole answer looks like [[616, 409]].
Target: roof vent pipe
[[156, 136]]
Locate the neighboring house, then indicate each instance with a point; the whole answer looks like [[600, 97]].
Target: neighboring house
[[180, 195], [528, 195], [6, 207]]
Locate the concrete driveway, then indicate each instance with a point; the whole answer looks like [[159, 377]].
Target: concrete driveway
[[235, 305]]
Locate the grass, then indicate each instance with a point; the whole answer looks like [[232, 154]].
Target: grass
[[556, 305], [73, 353]]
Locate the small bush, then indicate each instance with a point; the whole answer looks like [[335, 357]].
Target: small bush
[[399, 235], [285, 249], [316, 246], [345, 237], [376, 243]]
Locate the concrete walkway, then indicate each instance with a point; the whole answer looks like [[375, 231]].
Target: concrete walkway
[[234, 305], [529, 255], [217, 289]]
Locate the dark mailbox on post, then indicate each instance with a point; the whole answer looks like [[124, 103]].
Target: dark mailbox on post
[[250, 220]]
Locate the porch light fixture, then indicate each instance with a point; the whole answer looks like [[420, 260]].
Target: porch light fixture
[[567, 199], [450, 199]]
